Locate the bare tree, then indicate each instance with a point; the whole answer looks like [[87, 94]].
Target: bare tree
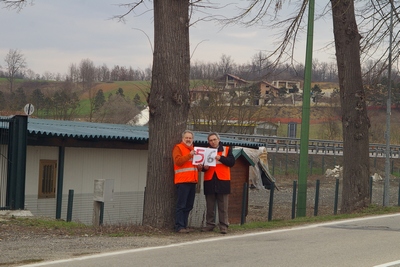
[[30, 74], [87, 79], [226, 65], [260, 63], [210, 112], [169, 104], [14, 4], [73, 75], [64, 103], [105, 73], [16, 64], [355, 121]]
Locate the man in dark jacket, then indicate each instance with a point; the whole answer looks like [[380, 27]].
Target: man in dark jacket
[[217, 185]]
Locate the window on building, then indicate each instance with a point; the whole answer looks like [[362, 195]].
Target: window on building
[[47, 178]]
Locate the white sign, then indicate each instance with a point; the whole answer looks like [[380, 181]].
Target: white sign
[[29, 109], [205, 156]]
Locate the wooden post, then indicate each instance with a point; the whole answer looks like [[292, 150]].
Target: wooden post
[[96, 213]]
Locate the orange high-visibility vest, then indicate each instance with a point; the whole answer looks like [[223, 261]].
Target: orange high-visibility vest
[[222, 171], [187, 173]]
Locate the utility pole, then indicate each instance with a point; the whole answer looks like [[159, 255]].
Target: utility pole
[[388, 113], [305, 117]]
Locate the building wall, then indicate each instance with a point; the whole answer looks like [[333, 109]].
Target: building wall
[[128, 169]]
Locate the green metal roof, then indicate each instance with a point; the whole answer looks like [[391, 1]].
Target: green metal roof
[[90, 130], [237, 152]]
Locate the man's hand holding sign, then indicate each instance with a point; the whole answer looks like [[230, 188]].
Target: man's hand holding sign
[[204, 156]]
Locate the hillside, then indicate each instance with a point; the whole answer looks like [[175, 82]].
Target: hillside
[[279, 113]]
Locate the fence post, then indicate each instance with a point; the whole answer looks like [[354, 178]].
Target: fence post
[[392, 167], [398, 198], [370, 189], [70, 203], [335, 205], [286, 166], [244, 202], [294, 199], [271, 201], [273, 164], [316, 198]]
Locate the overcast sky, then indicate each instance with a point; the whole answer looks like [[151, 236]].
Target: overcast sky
[[53, 34]]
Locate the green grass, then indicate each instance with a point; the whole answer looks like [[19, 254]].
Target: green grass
[[278, 224], [130, 89], [72, 228], [46, 223], [24, 262]]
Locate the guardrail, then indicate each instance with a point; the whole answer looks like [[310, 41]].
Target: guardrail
[[328, 147]]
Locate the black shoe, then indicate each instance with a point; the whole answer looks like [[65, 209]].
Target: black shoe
[[182, 231]]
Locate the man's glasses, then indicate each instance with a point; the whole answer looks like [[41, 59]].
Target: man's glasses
[[213, 140]]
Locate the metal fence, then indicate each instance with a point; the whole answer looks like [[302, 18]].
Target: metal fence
[[328, 147], [323, 192], [4, 144]]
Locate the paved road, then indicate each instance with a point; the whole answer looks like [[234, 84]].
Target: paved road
[[372, 241]]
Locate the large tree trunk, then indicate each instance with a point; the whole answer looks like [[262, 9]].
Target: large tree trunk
[[169, 105], [354, 113]]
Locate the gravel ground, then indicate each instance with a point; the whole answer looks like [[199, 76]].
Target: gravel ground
[[24, 245]]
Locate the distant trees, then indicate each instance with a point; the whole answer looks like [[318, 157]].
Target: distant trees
[[64, 103], [221, 111], [120, 92], [15, 65], [117, 109], [137, 101], [99, 100], [316, 93], [37, 98], [259, 68], [87, 77], [18, 99]]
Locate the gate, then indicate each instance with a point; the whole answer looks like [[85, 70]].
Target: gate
[[13, 142]]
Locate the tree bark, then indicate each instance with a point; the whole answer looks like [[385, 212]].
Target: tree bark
[[353, 105], [169, 105]]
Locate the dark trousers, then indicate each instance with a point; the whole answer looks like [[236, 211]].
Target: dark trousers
[[222, 201], [186, 193]]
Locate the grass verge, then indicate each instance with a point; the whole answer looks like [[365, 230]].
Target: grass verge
[[60, 227], [277, 224]]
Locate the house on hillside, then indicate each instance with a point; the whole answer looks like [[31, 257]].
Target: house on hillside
[[289, 85], [202, 92], [267, 91], [42, 161], [229, 82]]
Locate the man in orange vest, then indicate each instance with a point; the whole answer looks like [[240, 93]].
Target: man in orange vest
[[217, 185], [185, 179]]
